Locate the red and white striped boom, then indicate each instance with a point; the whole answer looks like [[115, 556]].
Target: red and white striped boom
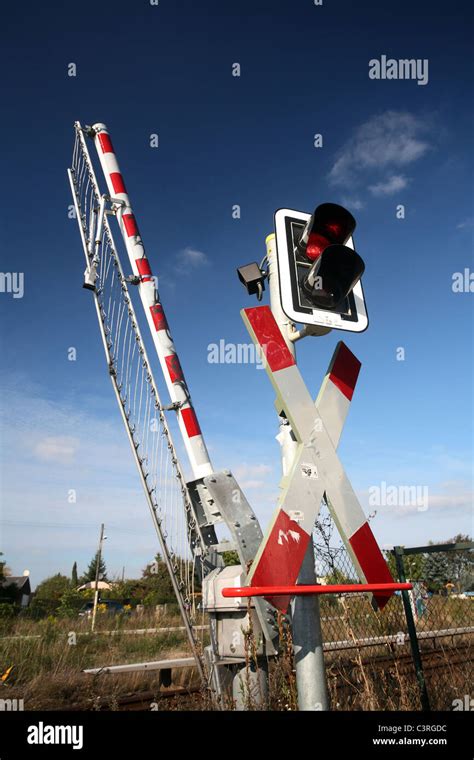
[[164, 345]]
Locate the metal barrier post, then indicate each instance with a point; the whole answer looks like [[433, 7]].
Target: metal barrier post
[[415, 649]]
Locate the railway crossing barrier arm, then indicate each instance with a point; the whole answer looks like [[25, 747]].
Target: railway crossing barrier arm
[[132, 379]]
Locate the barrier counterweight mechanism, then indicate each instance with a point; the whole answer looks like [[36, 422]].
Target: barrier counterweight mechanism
[[314, 279]]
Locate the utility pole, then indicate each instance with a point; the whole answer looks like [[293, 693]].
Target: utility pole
[[97, 568], [305, 615]]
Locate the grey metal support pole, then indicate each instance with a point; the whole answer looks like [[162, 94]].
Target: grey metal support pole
[[305, 615], [415, 649], [308, 643]]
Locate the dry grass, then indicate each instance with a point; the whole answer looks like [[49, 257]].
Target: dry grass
[[47, 667]]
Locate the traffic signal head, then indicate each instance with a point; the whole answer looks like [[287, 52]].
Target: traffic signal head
[[319, 269]]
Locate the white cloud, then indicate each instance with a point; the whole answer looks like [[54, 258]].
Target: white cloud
[[353, 203], [247, 470], [190, 259], [441, 502], [461, 500], [58, 445], [46, 533], [249, 485], [56, 449], [390, 139], [469, 222], [391, 185], [249, 476], [454, 496]]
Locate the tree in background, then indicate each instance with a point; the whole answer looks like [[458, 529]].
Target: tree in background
[[414, 566], [126, 591], [53, 588], [90, 573], [7, 595], [455, 567], [70, 603], [48, 595], [74, 579], [439, 568], [461, 564], [336, 578], [230, 557], [4, 569], [436, 570], [156, 583]]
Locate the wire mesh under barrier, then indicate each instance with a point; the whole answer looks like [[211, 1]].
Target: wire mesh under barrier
[[368, 653], [441, 605], [131, 374]]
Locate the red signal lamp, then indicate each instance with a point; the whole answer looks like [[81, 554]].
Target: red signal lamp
[[330, 224]]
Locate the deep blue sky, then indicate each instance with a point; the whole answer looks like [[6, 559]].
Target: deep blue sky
[[224, 140]]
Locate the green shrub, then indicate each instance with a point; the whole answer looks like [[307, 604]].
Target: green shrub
[[7, 611], [70, 604]]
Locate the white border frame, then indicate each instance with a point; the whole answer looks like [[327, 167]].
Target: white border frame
[[319, 317]]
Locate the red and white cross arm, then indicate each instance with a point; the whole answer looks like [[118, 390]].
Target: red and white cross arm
[[165, 348], [316, 468]]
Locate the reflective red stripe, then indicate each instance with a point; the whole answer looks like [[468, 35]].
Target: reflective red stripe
[[143, 266], [130, 224], [371, 560], [174, 368], [105, 142], [190, 422], [158, 316], [345, 370], [117, 182], [280, 562], [269, 336]]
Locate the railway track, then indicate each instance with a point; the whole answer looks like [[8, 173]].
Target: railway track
[[151, 700], [140, 700], [430, 658], [187, 698], [402, 664]]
